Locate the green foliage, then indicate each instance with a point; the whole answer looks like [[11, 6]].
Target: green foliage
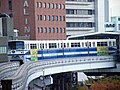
[[105, 83]]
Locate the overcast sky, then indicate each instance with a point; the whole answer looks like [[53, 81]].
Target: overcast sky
[[114, 7]]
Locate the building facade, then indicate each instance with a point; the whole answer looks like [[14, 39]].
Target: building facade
[[38, 19], [113, 25], [114, 6], [86, 16], [6, 33]]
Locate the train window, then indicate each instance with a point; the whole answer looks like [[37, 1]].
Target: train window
[[75, 44], [33, 46], [16, 45], [58, 45], [64, 44], [61, 45], [89, 44], [82, 44], [114, 43], [67, 44], [93, 44], [98, 44], [45, 45], [101, 43], [52, 45], [42, 46], [110, 43], [105, 44], [86, 44], [26, 46]]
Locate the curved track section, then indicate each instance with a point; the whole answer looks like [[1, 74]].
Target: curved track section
[[8, 69], [31, 70]]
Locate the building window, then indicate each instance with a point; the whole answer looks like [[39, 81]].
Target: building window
[[45, 17], [60, 30], [45, 30], [56, 18], [37, 17], [40, 17], [41, 30], [118, 26], [52, 17], [52, 5], [64, 30], [63, 6], [10, 5], [49, 30], [0, 3], [53, 30], [3, 49], [38, 29], [48, 17], [80, 24], [37, 4], [56, 6], [63, 18], [40, 4], [56, 30], [60, 18], [118, 19], [48, 5], [59, 6], [44, 5]]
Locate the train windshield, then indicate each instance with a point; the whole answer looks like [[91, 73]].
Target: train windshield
[[16, 45]]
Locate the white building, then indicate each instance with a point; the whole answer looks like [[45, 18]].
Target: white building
[[86, 16], [113, 25], [114, 6]]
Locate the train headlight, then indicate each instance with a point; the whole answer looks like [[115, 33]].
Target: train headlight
[[13, 51]]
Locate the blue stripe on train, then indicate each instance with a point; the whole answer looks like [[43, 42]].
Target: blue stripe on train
[[63, 50], [66, 56], [15, 54]]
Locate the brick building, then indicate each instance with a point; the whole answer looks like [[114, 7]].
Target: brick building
[[39, 19]]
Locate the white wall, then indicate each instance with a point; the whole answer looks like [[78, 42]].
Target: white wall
[[114, 8], [100, 15]]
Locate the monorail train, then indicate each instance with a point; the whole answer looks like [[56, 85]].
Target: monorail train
[[34, 50]]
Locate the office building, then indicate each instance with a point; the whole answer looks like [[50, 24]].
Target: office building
[[6, 33], [113, 25], [86, 16], [37, 19], [114, 6]]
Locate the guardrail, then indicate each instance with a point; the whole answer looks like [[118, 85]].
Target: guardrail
[[19, 80], [8, 69]]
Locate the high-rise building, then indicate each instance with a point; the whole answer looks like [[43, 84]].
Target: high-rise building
[[38, 19], [86, 16], [114, 6]]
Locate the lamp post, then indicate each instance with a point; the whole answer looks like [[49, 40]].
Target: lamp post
[[42, 78]]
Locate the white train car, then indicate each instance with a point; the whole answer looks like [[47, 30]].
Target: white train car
[[34, 50]]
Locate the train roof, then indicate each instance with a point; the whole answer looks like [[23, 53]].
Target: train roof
[[61, 40]]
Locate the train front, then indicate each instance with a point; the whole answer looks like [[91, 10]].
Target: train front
[[15, 50]]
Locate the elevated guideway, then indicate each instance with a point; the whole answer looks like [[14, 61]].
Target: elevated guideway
[[32, 70], [8, 69]]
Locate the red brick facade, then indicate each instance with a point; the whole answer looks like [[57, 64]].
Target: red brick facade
[[39, 19]]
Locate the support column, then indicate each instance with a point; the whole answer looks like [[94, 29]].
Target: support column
[[6, 84]]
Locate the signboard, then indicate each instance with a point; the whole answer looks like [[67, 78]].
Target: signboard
[[34, 54], [102, 50]]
